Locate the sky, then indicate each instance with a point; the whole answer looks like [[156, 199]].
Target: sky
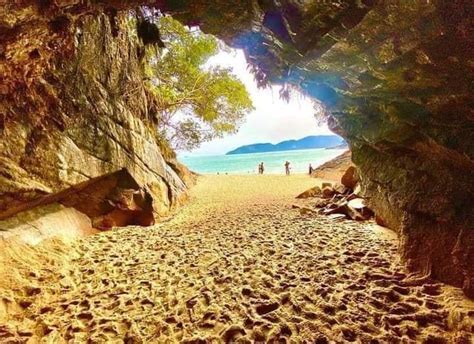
[[273, 120]]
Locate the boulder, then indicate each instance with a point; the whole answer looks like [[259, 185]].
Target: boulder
[[341, 189], [313, 192], [335, 209], [321, 203], [344, 209], [357, 190], [350, 178], [354, 214], [351, 206], [358, 206], [115, 199], [357, 203], [328, 192]]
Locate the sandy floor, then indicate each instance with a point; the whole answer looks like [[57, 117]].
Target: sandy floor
[[236, 264]]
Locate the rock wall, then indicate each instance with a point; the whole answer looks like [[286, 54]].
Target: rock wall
[[99, 120], [45, 222], [335, 168], [394, 75]]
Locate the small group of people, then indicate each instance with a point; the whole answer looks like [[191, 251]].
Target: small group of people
[[261, 168]]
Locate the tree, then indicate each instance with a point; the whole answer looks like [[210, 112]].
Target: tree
[[196, 103]]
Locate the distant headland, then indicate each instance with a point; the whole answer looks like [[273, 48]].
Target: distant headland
[[308, 142]]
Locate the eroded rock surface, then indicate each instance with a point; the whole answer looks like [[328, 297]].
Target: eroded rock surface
[[101, 121], [44, 222]]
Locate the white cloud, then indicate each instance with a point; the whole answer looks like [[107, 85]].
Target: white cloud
[[273, 119]]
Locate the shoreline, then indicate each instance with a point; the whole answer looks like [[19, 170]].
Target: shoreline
[[252, 174], [248, 163]]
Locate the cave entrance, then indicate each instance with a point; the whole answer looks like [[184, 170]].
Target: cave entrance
[[212, 101], [223, 115], [283, 124], [95, 100], [219, 111]]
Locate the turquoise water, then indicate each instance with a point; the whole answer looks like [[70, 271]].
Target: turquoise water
[[247, 163]]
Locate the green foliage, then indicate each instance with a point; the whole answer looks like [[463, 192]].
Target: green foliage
[[195, 103]]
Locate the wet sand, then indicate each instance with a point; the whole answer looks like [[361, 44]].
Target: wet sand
[[237, 264]]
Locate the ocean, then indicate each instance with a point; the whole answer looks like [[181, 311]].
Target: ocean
[[248, 163]]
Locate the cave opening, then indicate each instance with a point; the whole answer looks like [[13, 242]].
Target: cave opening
[[92, 100]]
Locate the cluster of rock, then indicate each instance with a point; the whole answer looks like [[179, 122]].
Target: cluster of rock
[[339, 200]]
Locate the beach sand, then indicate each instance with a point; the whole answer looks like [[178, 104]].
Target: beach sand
[[236, 264]]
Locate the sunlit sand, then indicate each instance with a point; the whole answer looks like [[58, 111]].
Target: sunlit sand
[[236, 264]]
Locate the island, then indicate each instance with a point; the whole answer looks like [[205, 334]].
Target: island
[[308, 142]]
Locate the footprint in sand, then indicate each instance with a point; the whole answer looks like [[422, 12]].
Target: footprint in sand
[[228, 268]]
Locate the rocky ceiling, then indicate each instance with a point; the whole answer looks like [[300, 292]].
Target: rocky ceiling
[[397, 78]]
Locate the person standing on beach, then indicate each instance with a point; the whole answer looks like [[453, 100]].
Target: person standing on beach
[[287, 168], [310, 170], [262, 168]]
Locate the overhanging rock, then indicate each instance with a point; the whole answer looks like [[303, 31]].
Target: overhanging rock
[[114, 199]]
